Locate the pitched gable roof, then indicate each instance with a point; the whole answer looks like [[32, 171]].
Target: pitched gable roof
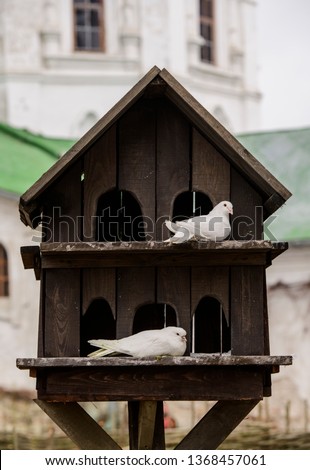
[[161, 82]]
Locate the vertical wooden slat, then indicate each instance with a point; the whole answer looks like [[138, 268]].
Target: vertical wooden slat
[[62, 207], [247, 222], [137, 158], [211, 171], [135, 287], [247, 310], [99, 177], [62, 313], [173, 287], [213, 282], [99, 283], [134, 421], [173, 162]]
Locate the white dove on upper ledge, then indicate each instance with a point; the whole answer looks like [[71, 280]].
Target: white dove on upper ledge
[[169, 341], [215, 226]]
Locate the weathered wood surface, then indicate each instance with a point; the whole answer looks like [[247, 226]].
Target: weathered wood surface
[[247, 310], [88, 139], [123, 254], [100, 170], [210, 170], [78, 426], [135, 410], [150, 383], [217, 424], [221, 138], [31, 257], [173, 166], [195, 360], [61, 315]]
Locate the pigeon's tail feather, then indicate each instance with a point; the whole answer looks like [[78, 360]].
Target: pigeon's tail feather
[[100, 352], [105, 347]]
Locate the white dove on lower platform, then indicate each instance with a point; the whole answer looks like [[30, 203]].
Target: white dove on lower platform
[[214, 226], [169, 341]]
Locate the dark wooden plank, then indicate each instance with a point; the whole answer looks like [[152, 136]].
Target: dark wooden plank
[[217, 424], [146, 423], [173, 288], [213, 282], [89, 138], [32, 259], [99, 283], [173, 162], [238, 155], [211, 171], [62, 208], [195, 360], [247, 220], [176, 258], [78, 426], [135, 287], [136, 164], [62, 313], [247, 310], [144, 383], [40, 350], [99, 177]]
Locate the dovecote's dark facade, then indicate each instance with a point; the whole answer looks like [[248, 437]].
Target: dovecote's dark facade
[[105, 270]]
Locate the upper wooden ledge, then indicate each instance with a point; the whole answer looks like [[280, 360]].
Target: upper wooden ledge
[[194, 360]]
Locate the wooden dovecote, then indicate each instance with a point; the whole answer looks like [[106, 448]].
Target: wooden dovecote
[[106, 271]]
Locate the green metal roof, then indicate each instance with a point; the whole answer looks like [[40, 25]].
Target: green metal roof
[[24, 157], [286, 154]]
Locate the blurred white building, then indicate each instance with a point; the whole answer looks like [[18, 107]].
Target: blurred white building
[[64, 63]]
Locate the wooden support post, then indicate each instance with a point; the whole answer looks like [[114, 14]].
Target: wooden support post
[[217, 424], [147, 416], [78, 425], [146, 425]]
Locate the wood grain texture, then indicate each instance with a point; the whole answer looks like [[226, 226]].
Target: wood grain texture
[[99, 283], [135, 287], [213, 282], [247, 220], [211, 171], [173, 162], [136, 166], [62, 313], [221, 138], [78, 426], [89, 138], [100, 168], [247, 310], [217, 424], [62, 208], [144, 383], [173, 287]]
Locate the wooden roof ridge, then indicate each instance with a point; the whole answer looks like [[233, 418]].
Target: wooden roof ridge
[[220, 137]]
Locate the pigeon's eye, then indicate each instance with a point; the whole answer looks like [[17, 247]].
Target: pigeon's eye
[[225, 205]]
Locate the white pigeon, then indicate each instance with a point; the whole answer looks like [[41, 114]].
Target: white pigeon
[[169, 341], [215, 226]]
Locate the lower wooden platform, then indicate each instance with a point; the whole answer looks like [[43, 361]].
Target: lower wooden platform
[[201, 377], [236, 383]]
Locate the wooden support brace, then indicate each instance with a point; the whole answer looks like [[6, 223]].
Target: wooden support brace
[[217, 424], [78, 425], [146, 425]]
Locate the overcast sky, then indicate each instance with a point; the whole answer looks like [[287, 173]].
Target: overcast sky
[[284, 59]]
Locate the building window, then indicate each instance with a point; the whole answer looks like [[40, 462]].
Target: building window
[[88, 25], [4, 278], [207, 31]]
